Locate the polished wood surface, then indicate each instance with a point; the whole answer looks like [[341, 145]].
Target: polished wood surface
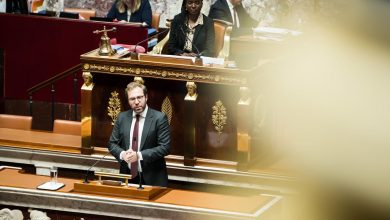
[[95, 187], [162, 70], [225, 202], [40, 140]]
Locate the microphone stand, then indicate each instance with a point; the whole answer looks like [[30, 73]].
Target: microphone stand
[[134, 55], [86, 175], [140, 175]]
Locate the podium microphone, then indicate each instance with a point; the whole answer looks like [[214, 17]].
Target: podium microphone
[[140, 175], [86, 175], [134, 54]]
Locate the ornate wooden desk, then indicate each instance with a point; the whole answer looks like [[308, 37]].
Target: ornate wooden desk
[[211, 124]]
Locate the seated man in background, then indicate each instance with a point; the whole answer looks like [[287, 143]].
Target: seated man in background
[[192, 33], [232, 11], [131, 11]]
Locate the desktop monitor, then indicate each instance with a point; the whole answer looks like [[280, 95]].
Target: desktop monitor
[[100, 19], [17, 6], [69, 15]]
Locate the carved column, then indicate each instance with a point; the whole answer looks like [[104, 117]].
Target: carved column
[[243, 128], [86, 113], [189, 125]]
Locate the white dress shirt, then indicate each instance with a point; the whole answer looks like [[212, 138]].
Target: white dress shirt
[[3, 5], [141, 122], [233, 13]]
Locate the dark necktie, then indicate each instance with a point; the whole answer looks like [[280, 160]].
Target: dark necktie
[[134, 146]]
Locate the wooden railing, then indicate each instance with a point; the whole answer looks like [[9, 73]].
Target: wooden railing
[[51, 82]]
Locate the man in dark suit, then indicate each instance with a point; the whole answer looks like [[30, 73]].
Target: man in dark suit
[[141, 137], [232, 11]]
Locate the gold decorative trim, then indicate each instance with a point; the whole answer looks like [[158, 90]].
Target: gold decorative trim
[[219, 117], [167, 108], [177, 75], [139, 80], [86, 66], [114, 106]]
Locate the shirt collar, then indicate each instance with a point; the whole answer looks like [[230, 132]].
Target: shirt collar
[[143, 114], [199, 21]]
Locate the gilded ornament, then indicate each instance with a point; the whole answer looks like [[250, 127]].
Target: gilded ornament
[[166, 107], [219, 117], [114, 106], [193, 76]]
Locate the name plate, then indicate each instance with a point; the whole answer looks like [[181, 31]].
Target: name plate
[[167, 59]]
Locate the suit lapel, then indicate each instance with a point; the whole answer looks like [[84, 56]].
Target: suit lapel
[[198, 29], [146, 129], [127, 126]]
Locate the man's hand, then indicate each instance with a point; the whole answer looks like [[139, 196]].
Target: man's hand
[[130, 156]]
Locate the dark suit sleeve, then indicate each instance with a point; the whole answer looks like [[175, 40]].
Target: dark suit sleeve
[[210, 38], [146, 12], [162, 132], [220, 10], [116, 138], [174, 44], [218, 13]]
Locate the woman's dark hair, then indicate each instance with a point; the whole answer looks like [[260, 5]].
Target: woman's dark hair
[[183, 6]]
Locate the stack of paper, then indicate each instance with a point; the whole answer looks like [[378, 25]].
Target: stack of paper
[[274, 33]]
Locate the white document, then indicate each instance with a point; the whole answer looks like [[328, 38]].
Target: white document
[[51, 186]]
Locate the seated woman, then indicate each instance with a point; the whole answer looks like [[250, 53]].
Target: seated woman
[[192, 33], [132, 11]]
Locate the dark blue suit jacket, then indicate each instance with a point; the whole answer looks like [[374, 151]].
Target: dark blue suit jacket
[[220, 10], [155, 145], [144, 14]]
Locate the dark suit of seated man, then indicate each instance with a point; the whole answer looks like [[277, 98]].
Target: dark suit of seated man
[[232, 11], [141, 134], [192, 33]]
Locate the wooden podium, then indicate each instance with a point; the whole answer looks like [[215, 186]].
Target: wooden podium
[[95, 187], [204, 132]]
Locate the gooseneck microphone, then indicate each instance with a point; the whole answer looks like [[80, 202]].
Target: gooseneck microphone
[[86, 175], [147, 39], [140, 174], [198, 54], [139, 167]]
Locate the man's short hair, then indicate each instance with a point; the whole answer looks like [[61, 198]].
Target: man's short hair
[[134, 85]]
